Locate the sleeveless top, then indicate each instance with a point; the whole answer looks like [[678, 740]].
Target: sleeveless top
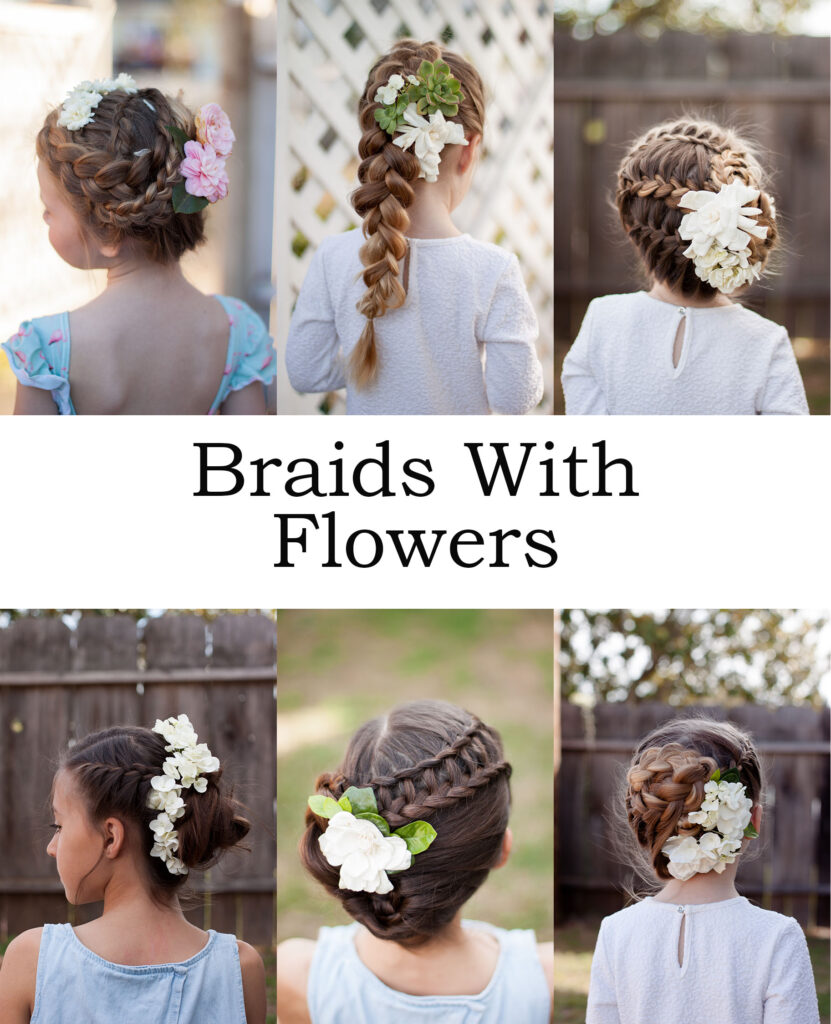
[[40, 350], [75, 985], [343, 990]]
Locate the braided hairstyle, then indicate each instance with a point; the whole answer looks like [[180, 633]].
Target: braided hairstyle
[[666, 779], [112, 770], [661, 166], [425, 760], [119, 170], [386, 174]]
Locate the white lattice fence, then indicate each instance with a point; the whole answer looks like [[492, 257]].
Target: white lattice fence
[[44, 50], [325, 49]]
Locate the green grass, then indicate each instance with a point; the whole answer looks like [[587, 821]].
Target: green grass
[[339, 668], [573, 948]]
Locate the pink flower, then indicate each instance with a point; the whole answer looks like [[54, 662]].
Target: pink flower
[[214, 129], [204, 172]]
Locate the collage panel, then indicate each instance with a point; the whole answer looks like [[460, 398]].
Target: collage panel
[[692, 815], [692, 208], [435, 725], [413, 242], [142, 134], [137, 798]]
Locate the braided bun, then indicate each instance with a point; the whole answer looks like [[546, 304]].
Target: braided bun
[[112, 770], [386, 175], [119, 170], [426, 760], [666, 779], [661, 166]]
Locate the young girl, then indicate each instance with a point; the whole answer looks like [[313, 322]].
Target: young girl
[[134, 810], [692, 198], [403, 834], [125, 175], [411, 315], [697, 950]]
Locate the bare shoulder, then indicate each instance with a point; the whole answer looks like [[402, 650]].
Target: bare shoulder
[[253, 983], [545, 951], [294, 961], [18, 977]]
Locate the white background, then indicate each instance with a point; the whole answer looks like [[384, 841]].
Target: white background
[[732, 512]]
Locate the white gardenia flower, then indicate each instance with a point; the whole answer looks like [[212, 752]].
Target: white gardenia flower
[[363, 853], [722, 217]]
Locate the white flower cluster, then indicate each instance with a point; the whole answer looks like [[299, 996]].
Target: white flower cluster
[[186, 768], [724, 815], [388, 94], [78, 107], [719, 229], [363, 853]]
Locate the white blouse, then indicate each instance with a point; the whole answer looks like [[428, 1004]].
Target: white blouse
[[463, 342], [733, 361], [741, 965]]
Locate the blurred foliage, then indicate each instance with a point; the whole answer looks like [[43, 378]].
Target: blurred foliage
[[650, 18], [693, 656]]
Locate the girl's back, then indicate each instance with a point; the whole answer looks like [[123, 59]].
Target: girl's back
[[732, 962], [75, 984], [461, 343]]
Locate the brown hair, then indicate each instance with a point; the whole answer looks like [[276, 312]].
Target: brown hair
[[113, 769], [386, 174], [661, 166], [666, 778], [116, 193], [432, 761]]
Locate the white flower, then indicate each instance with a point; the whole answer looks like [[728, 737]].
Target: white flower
[[428, 137], [722, 217], [682, 855], [363, 853], [413, 80], [388, 93], [724, 814], [77, 110]]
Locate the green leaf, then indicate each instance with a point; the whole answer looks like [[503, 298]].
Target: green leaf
[[184, 202], [344, 804], [421, 106], [716, 776], [449, 109], [179, 137], [417, 835], [751, 833], [731, 775], [424, 69], [324, 806], [376, 819], [441, 68], [362, 800]]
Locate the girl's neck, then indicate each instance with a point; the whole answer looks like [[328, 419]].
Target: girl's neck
[[664, 293], [131, 271], [707, 888], [430, 213]]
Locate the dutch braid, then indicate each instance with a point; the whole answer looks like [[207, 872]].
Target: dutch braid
[[386, 174], [669, 160]]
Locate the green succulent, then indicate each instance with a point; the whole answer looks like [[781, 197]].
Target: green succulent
[[436, 90]]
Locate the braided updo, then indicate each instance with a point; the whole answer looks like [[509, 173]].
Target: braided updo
[[112, 770], [119, 170], [666, 779], [426, 760], [386, 174], [661, 166]]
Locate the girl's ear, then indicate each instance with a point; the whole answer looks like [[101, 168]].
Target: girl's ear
[[507, 845], [469, 153], [114, 837]]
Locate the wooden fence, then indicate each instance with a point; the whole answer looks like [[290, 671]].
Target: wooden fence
[[324, 52], [57, 685], [610, 89], [791, 872]]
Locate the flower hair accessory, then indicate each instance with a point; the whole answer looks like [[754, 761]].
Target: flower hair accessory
[[204, 178], [724, 816], [433, 92], [360, 842], [186, 768], [719, 229], [77, 109]]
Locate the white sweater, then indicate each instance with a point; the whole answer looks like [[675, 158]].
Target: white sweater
[[463, 342], [741, 965], [733, 361]]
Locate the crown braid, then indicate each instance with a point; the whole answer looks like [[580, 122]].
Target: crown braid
[[668, 161], [119, 170], [460, 786]]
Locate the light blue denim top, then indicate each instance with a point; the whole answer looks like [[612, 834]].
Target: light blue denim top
[[75, 986], [342, 990]]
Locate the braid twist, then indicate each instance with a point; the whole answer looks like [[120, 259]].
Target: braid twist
[[386, 175], [118, 194], [665, 163]]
